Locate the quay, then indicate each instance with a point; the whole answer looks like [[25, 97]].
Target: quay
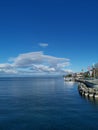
[[93, 83], [88, 87]]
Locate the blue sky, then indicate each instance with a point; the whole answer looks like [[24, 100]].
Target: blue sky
[[63, 33]]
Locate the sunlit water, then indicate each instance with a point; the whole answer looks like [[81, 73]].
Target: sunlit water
[[45, 104]]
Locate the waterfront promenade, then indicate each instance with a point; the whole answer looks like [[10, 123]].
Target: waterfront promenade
[[88, 88], [89, 83]]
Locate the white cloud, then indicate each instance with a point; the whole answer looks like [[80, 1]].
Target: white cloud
[[27, 59], [35, 62], [62, 65], [7, 69], [67, 70], [43, 44], [44, 68]]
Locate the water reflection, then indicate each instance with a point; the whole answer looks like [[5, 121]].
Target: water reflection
[[69, 83]]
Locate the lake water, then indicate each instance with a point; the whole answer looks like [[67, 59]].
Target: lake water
[[45, 104]]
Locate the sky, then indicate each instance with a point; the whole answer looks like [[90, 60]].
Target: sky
[[47, 36]]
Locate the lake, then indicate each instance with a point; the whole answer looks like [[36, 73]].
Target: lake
[[45, 103]]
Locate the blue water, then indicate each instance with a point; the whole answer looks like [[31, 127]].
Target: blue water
[[45, 104]]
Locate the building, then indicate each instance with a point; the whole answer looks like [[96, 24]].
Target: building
[[78, 75]]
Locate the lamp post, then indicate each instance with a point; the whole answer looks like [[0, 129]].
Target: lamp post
[[94, 70], [82, 73], [94, 73]]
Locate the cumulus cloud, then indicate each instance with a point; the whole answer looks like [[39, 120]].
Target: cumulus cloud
[[7, 69], [35, 62], [43, 68], [43, 44]]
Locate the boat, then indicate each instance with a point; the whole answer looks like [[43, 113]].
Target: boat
[[68, 79]]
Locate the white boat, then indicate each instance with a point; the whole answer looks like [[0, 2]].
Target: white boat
[[68, 78]]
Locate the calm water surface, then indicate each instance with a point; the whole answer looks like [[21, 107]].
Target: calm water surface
[[45, 104]]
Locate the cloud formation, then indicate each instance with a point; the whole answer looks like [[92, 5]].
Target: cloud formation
[[33, 63], [43, 44]]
